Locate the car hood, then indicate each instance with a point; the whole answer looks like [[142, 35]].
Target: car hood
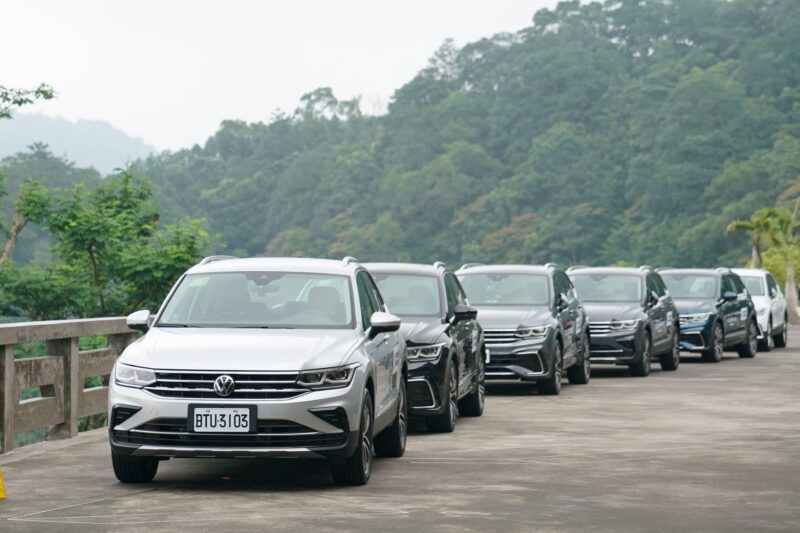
[[241, 349], [422, 331], [494, 317], [692, 307], [607, 312]]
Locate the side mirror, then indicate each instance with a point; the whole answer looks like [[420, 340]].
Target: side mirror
[[139, 321], [729, 296], [383, 323], [465, 312], [773, 293]]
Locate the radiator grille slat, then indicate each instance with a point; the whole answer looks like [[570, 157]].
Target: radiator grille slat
[[249, 385]]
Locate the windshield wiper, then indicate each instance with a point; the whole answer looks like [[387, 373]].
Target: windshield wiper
[[167, 325]]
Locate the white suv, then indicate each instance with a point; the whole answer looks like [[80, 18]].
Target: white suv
[[284, 358], [770, 307]]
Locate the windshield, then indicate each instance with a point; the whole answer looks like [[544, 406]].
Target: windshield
[[528, 290], [691, 286], [409, 294], [755, 285], [608, 287], [260, 300]]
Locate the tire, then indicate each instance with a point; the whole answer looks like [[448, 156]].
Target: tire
[[581, 371], [783, 337], [672, 360], [749, 349], [392, 440], [552, 385], [472, 404], [768, 342], [446, 421], [641, 368], [134, 469], [357, 468], [713, 354]]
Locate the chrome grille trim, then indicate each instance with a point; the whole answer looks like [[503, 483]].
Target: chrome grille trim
[[199, 384], [500, 336], [600, 328]]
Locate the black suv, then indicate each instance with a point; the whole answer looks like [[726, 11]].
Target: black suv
[[534, 324], [632, 318], [716, 311], [444, 342]]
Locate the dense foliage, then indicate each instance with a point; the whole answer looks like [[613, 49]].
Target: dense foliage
[[623, 132]]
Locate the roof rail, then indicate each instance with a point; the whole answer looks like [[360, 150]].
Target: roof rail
[[470, 265], [439, 264], [349, 259], [576, 267], [551, 265], [645, 267], [725, 270], [212, 258]]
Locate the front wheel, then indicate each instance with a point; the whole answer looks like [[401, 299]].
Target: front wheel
[[134, 469], [713, 354], [783, 338], [356, 469], [552, 385], [749, 349], [472, 404], [581, 371], [392, 440], [672, 359], [446, 421], [641, 368]]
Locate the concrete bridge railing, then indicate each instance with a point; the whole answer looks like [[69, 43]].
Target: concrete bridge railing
[[60, 375]]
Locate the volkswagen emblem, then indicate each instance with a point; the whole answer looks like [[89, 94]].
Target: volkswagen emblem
[[224, 385]]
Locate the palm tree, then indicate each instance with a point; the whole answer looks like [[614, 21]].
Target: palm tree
[[785, 235], [760, 229]]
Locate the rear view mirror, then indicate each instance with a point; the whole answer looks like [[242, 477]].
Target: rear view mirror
[[139, 321], [383, 323], [730, 296], [465, 312]]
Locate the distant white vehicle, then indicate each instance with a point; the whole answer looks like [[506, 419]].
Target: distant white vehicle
[[770, 307]]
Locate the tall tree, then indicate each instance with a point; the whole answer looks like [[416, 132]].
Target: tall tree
[[760, 229]]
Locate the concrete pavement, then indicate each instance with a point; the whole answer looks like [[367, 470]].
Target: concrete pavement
[[711, 447]]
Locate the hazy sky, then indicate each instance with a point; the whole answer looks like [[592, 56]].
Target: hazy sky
[[169, 71]]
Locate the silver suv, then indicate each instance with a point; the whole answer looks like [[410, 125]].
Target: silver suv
[[282, 358]]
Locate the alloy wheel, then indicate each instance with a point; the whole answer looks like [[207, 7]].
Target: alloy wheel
[[719, 340], [676, 348], [770, 339], [453, 394], [753, 340], [559, 366], [366, 438], [587, 365]]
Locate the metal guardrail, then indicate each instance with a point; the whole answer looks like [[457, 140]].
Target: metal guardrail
[[60, 375]]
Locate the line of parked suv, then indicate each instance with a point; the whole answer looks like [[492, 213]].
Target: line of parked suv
[[314, 358]]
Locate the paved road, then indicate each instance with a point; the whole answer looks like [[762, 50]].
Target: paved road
[[712, 447]]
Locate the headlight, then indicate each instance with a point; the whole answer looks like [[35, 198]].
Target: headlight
[[430, 352], [763, 311], [536, 332], [327, 378], [618, 325], [699, 318], [133, 376]]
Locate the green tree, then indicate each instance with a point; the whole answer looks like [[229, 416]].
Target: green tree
[[760, 227], [10, 98]]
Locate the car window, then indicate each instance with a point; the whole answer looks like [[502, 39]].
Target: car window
[[737, 283], [506, 289], [410, 294], [451, 292], [755, 285], [462, 294], [771, 285], [260, 299], [366, 299], [728, 285], [596, 287], [652, 285], [691, 286], [661, 289]]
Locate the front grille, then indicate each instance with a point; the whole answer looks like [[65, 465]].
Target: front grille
[[121, 413], [600, 328], [249, 385], [500, 336], [694, 338], [336, 417], [173, 432], [420, 394]]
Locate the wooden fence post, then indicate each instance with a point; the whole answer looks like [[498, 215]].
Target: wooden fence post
[[70, 387], [9, 395]]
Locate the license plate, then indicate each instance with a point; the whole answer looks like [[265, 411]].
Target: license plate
[[488, 356], [221, 419]]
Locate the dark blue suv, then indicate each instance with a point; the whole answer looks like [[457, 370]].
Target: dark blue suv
[[716, 312]]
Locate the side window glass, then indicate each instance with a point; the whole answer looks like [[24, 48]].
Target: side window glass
[[772, 287], [727, 285], [661, 289], [462, 295], [375, 294], [651, 285], [738, 284], [364, 300], [558, 285]]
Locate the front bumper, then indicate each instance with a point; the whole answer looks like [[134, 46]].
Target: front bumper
[[614, 348], [519, 361], [696, 337], [287, 428], [427, 387]]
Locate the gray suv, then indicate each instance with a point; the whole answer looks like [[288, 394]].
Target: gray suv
[[281, 358]]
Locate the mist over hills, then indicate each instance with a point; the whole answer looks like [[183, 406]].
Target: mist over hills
[[86, 142]]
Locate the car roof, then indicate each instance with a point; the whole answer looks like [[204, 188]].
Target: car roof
[[608, 270], [751, 272], [280, 264], [405, 268], [505, 269]]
